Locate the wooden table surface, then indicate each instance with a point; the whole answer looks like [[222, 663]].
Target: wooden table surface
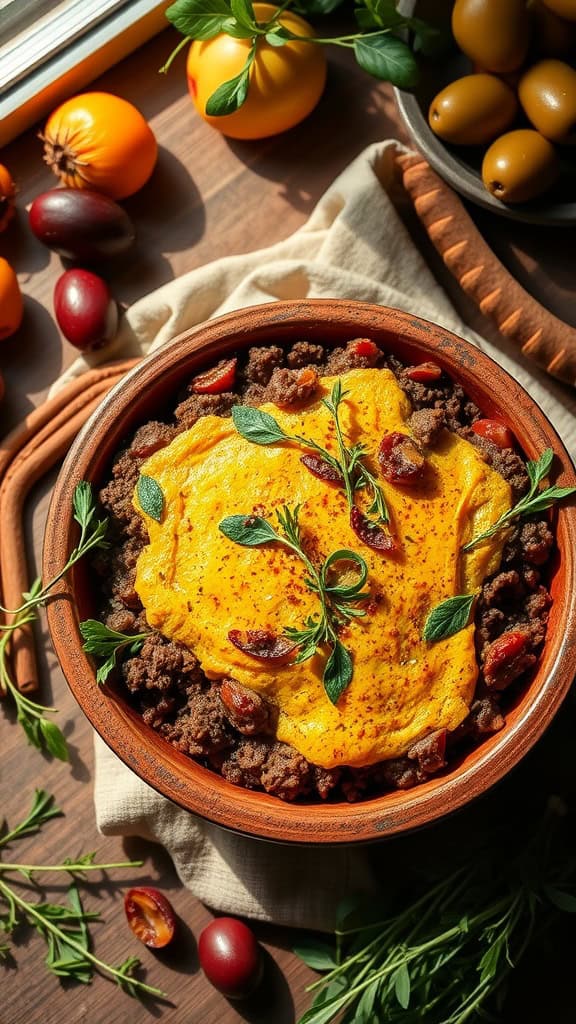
[[209, 197]]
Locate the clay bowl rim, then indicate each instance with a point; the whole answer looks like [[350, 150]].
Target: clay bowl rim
[[178, 777]]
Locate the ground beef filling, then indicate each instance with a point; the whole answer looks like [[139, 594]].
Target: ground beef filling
[[230, 728]]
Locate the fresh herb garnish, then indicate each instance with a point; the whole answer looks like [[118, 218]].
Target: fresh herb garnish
[[448, 617], [532, 502], [41, 732], [108, 643], [337, 594], [150, 496], [349, 469], [63, 926], [377, 47], [442, 957]]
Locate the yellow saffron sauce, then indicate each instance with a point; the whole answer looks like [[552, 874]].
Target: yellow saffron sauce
[[196, 584]]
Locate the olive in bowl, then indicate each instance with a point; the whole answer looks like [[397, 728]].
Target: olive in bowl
[[358, 343]]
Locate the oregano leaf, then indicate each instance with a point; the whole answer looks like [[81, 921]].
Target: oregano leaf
[[448, 617], [150, 497]]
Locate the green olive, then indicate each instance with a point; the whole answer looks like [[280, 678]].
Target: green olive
[[495, 34], [547, 93], [564, 8], [519, 166], [472, 110]]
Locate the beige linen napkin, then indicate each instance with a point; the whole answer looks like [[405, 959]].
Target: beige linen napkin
[[353, 246]]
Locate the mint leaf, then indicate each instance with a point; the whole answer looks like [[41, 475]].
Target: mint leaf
[[257, 426], [388, 58], [250, 531], [150, 497], [199, 19], [448, 617]]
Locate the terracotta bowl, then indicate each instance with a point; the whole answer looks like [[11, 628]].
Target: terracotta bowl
[[141, 395]]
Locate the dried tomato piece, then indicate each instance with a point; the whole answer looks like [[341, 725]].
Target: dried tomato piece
[[495, 431], [506, 658], [216, 380], [369, 532], [322, 469], [401, 459], [365, 348], [424, 373], [150, 916], [261, 643]]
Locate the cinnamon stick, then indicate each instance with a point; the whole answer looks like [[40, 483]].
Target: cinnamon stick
[[33, 455], [45, 413]]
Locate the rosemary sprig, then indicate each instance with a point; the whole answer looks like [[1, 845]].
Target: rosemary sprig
[[62, 926], [42, 732], [261, 428], [338, 599], [534, 501], [108, 644], [445, 956]]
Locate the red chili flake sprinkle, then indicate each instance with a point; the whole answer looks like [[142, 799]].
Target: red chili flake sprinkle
[[370, 533], [401, 459], [424, 373], [216, 380], [261, 643], [322, 469], [495, 431]]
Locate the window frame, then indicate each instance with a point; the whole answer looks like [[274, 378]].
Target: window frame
[[70, 64]]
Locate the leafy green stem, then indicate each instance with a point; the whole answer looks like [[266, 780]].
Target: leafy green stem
[[42, 732]]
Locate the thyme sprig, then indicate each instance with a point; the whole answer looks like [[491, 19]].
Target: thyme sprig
[[41, 731], [261, 428], [447, 954], [338, 597], [63, 926], [534, 501]]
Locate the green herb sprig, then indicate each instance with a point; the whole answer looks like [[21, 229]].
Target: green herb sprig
[[377, 47], [261, 428], [63, 926], [108, 643], [338, 599], [445, 956], [453, 614], [534, 501], [41, 731]]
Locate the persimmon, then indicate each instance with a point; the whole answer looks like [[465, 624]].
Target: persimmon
[[7, 197], [11, 305], [285, 82], [102, 142]]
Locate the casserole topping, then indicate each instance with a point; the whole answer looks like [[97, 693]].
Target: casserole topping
[[198, 586]]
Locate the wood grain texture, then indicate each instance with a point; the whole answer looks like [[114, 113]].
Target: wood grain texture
[[543, 337]]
